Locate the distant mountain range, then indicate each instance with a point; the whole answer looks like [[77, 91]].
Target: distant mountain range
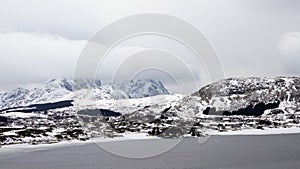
[[67, 89]]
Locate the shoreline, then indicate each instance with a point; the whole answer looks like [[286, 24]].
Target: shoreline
[[26, 147], [265, 131], [15, 149]]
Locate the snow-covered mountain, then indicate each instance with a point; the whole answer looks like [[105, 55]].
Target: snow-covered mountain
[[15, 96], [227, 95], [237, 93], [81, 89]]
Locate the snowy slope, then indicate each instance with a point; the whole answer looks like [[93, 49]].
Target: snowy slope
[[155, 104]]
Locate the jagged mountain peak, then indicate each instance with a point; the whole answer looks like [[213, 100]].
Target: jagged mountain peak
[[18, 92], [72, 84], [141, 88]]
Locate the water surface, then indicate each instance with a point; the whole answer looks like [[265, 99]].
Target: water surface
[[235, 152]]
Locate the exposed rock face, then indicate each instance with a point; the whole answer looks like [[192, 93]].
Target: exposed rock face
[[250, 110]]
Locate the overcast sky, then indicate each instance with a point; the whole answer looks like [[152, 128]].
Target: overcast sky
[[40, 40]]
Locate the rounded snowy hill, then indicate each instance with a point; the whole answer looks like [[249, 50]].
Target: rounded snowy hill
[[237, 93]]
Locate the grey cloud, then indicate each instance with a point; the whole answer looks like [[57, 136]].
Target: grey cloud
[[289, 44], [29, 57], [40, 40]]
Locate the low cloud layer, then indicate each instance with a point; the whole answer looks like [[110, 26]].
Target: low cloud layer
[[32, 57], [289, 44], [289, 47]]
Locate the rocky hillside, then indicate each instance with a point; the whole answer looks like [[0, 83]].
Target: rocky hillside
[[234, 94]]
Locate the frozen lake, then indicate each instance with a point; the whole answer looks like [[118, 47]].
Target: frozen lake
[[235, 152]]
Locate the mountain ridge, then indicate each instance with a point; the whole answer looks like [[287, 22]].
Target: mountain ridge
[[66, 89]]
